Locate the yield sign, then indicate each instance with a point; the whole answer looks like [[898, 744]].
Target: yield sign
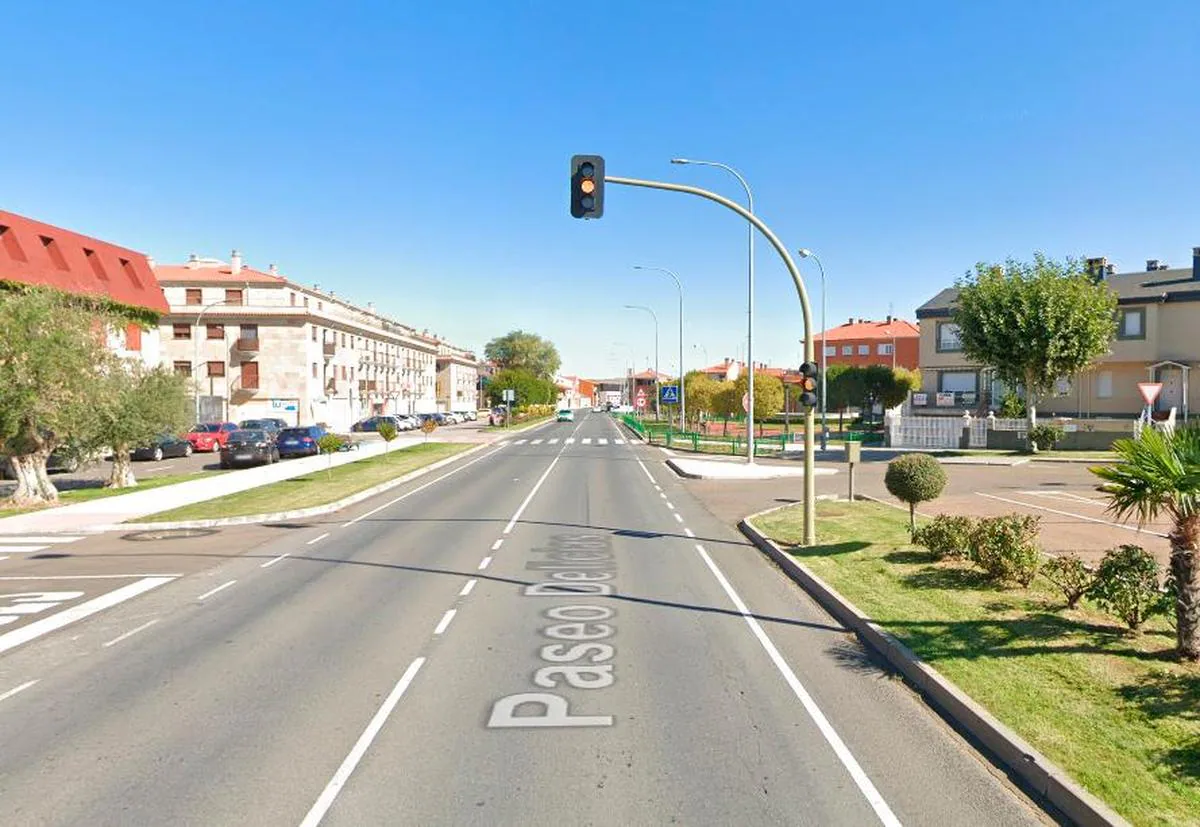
[[641, 398], [1149, 391]]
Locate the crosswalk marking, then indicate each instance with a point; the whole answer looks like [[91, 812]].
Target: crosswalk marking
[[553, 441], [601, 441], [569, 440], [587, 440], [20, 549], [31, 538], [506, 442], [520, 442], [536, 442]]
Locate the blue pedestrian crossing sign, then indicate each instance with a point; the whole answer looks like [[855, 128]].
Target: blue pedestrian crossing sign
[[669, 394]]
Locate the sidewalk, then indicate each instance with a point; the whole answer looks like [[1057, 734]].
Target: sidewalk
[[738, 469], [102, 514]]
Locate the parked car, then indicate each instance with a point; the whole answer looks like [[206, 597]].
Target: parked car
[[371, 424], [469, 416], [250, 447], [64, 459], [407, 423], [299, 442], [496, 416], [272, 425], [210, 436], [565, 415], [165, 445]]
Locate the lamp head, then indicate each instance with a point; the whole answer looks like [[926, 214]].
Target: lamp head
[[804, 252], [680, 161]]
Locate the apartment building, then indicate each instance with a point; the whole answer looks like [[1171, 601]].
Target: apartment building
[[893, 343], [1158, 314], [258, 344], [457, 379]]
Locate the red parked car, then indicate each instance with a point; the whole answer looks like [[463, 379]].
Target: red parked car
[[210, 436]]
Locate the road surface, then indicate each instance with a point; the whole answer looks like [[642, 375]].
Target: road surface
[[550, 631]]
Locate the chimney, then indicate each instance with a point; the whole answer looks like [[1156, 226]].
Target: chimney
[[235, 262], [1196, 264], [1151, 265], [193, 258], [850, 320], [1110, 269], [889, 319], [150, 262], [370, 307], [317, 286], [273, 270]]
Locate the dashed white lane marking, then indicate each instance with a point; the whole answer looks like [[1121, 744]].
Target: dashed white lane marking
[[3, 556], [552, 441], [467, 588], [86, 576], [882, 810], [569, 440], [689, 532], [39, 538], [97, 604], [677, 517], [520, 442], [670, 505], [662, 494], [5, 696], [484, 563], [322, 804], [22, 549], [535, 442], [219, 588], [496, 545], [129, 634], [1123, 526], [444, 623], [601, 441], [275, 560], [317, 539]]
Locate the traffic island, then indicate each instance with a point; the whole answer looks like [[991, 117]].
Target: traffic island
[[714, 469], [1101, 722]]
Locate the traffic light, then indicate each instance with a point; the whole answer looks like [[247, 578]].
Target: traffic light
[[587, 186], [809, 379]]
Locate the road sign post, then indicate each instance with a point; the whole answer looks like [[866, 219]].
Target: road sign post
[[1149, 392]]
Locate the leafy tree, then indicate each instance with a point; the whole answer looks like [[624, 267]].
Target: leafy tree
[[701, 392], [387, 432], [531, 390], [914, 478], [51, 349], [1159, 473], [1034, 322], [329, 444], [524, 351], [768, 394], [844, 388], [726, 403], [132, 406]]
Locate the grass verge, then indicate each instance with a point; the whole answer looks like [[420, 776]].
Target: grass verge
[[1109, 707], [317, 488], [520, 426], [98, 492]]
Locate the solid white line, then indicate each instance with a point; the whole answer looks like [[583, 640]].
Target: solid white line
[[97, 604], [467, 588], [129, 634], [420, 488], [221, 587], [677, 517], [508, 528], [317, 539], [322, 805], [587, 440], [882, 810], [87, 576], [496, 545], [445, 621], [1122, 526], [20, 688], [275, 560], [22, 549], [689, 532], [646, 470], [484, 563], [46, 538]]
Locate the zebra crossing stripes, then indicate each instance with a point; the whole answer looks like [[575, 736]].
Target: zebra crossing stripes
[[569, 440], [536, 442], [552, 441], [587, 440], [32, 543]]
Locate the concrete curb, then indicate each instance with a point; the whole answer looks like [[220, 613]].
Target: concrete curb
[[301, 513], [1076, 803]]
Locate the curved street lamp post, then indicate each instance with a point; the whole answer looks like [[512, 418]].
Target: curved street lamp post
[[806, 253], [679, 286], [657, 393]]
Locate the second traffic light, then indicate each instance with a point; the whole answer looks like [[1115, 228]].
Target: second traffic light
[[809, 378], [587, 186]]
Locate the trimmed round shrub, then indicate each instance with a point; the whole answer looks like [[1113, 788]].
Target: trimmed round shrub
[[1070, 575], [914, 478], [1045, 437], [946, 535], [1006, 548], [1126, 585]]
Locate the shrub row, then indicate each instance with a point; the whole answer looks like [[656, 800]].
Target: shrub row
[[1004, 547]]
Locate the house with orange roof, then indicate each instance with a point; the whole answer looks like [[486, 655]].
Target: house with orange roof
[[893, 343]]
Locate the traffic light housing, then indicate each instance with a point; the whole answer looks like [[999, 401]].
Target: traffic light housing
[[587, 186], [809, 384]]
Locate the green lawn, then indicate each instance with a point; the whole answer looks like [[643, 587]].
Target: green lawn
[[1109, 707], [522, 425], [79, 495], [318, 488]]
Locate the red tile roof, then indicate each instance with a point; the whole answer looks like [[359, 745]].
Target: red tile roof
[[648, 375], [212, 272], [871, 331], [41, 254]]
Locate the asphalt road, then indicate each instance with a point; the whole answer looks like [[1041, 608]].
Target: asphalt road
[[551, 631]]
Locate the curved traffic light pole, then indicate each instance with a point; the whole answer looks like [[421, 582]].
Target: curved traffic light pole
[[810, 485]]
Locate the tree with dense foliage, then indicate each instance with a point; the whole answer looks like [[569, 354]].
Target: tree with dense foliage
[[1034, 322], [51, 351], [1159, 473], [768, 395], [844, 388], [387, 432], [912, 479], [132, 406], [726, 403], [530, 389], [701, 391], [519, 350]]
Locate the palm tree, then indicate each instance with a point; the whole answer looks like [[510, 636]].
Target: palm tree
[[1160, 473]]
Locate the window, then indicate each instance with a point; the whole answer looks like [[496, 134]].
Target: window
[[320, 305], [864, 350], [343, 371], [216, 368], [130, 272], [885, 350], [847, 350], [233, 296], [94, 262], [182, 368], [133, 337], [306, 301], [181, 331], [947, 337], [52, 250], [1104, 385], [1131, 324], [193, 295], [957, 381], [314, 333], [314, 370], [250, 375], [343, 340], [215, 331], [8, 240], [292, 298], [250, 331]]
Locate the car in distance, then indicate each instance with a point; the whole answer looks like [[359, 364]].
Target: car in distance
[[299, 442], [272, 425], [252, 447], [565, 415], [163, 446], [209, 436]]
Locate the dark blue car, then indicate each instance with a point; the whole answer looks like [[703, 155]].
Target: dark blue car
[[299, 442]]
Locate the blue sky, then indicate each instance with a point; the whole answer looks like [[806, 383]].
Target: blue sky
[[416, 154]]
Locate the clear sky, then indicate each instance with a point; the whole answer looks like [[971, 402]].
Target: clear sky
[[416, 154]]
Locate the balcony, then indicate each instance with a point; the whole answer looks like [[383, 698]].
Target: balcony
[[329, 349], [246, 344]]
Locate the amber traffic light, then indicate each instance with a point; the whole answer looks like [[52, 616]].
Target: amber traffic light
[[587, 186], [809, 384]]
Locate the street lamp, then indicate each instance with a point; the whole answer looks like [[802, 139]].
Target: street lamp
[[679, 285], [806, 253], [657, 413], [196, 349], [749, 299]]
